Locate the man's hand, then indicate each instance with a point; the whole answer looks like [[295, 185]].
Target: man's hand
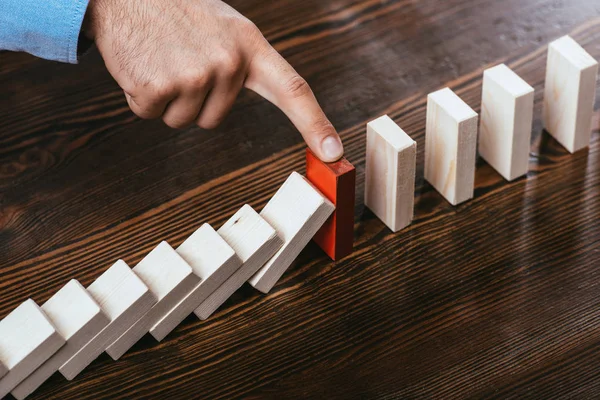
[[187, 60]]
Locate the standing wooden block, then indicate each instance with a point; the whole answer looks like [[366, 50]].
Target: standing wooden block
[[450, 146], [254, 241], [337, 181], [124, 299], [390, 173], [213, 261], [569, 94], [3, 370], [170, 279], [27, 340], [77, 319], [297, 211], [506, 122]]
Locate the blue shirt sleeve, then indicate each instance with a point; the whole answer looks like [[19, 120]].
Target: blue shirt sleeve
[[45, 28]]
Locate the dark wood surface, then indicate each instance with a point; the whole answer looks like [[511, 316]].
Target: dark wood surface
[[496, 298]]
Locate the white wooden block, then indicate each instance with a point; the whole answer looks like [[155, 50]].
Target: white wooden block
[[296, 211], [390, 173], [211, 259], [124, 299], [450, 146], [77, 319], [170, 279], [506, 122], [27, 339], [570, 93], [254, 241]]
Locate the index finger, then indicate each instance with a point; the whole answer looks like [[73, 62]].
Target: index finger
[[273, 78]]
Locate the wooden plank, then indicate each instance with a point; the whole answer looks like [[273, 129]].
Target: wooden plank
[[506, 122], [570, 93], [450, 146], [27, 339], [213, 261], [337, 182], [170, 279], [390, 173], [77, 318], [296, 211], [124, 299], [254, 241]]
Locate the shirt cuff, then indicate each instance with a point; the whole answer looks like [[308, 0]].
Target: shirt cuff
[[45, 28]]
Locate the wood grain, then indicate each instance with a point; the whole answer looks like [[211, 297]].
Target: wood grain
[[254, 241], [496, 298], [450, 146], [506, 122], [390, 165], [213, 261], [170, 278], [27, 339], [77, 318], [571, 75], [297, 211], [124, 299]]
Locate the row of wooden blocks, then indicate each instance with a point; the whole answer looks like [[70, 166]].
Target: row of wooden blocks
[[77, 324], [504, 133]]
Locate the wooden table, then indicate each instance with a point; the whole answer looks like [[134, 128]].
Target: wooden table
[[496, 298]]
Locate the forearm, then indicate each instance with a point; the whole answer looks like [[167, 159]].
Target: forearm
[[45, 28]]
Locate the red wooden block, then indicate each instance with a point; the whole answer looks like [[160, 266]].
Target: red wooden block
[[337, 181]]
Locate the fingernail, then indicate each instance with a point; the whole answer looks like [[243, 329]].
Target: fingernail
[[332, 148]]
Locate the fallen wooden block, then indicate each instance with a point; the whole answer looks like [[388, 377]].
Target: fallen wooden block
[[254, 241], [570, 92], [170, 279], [77, 319], [390, 173], [337, 181], [124, 299], [27, 340], [213, 261], [506, 122], [450, 146], [296, 211]]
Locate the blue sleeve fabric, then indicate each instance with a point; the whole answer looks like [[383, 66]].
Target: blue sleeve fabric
[[45, 28]]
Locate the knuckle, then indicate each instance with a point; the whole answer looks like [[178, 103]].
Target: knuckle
[[195, 79], [129, 87], [159, 90], [297, 87], [230, 62], [142, 111], [248, 28]]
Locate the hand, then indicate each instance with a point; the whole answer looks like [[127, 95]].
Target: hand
[[187, 60]]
